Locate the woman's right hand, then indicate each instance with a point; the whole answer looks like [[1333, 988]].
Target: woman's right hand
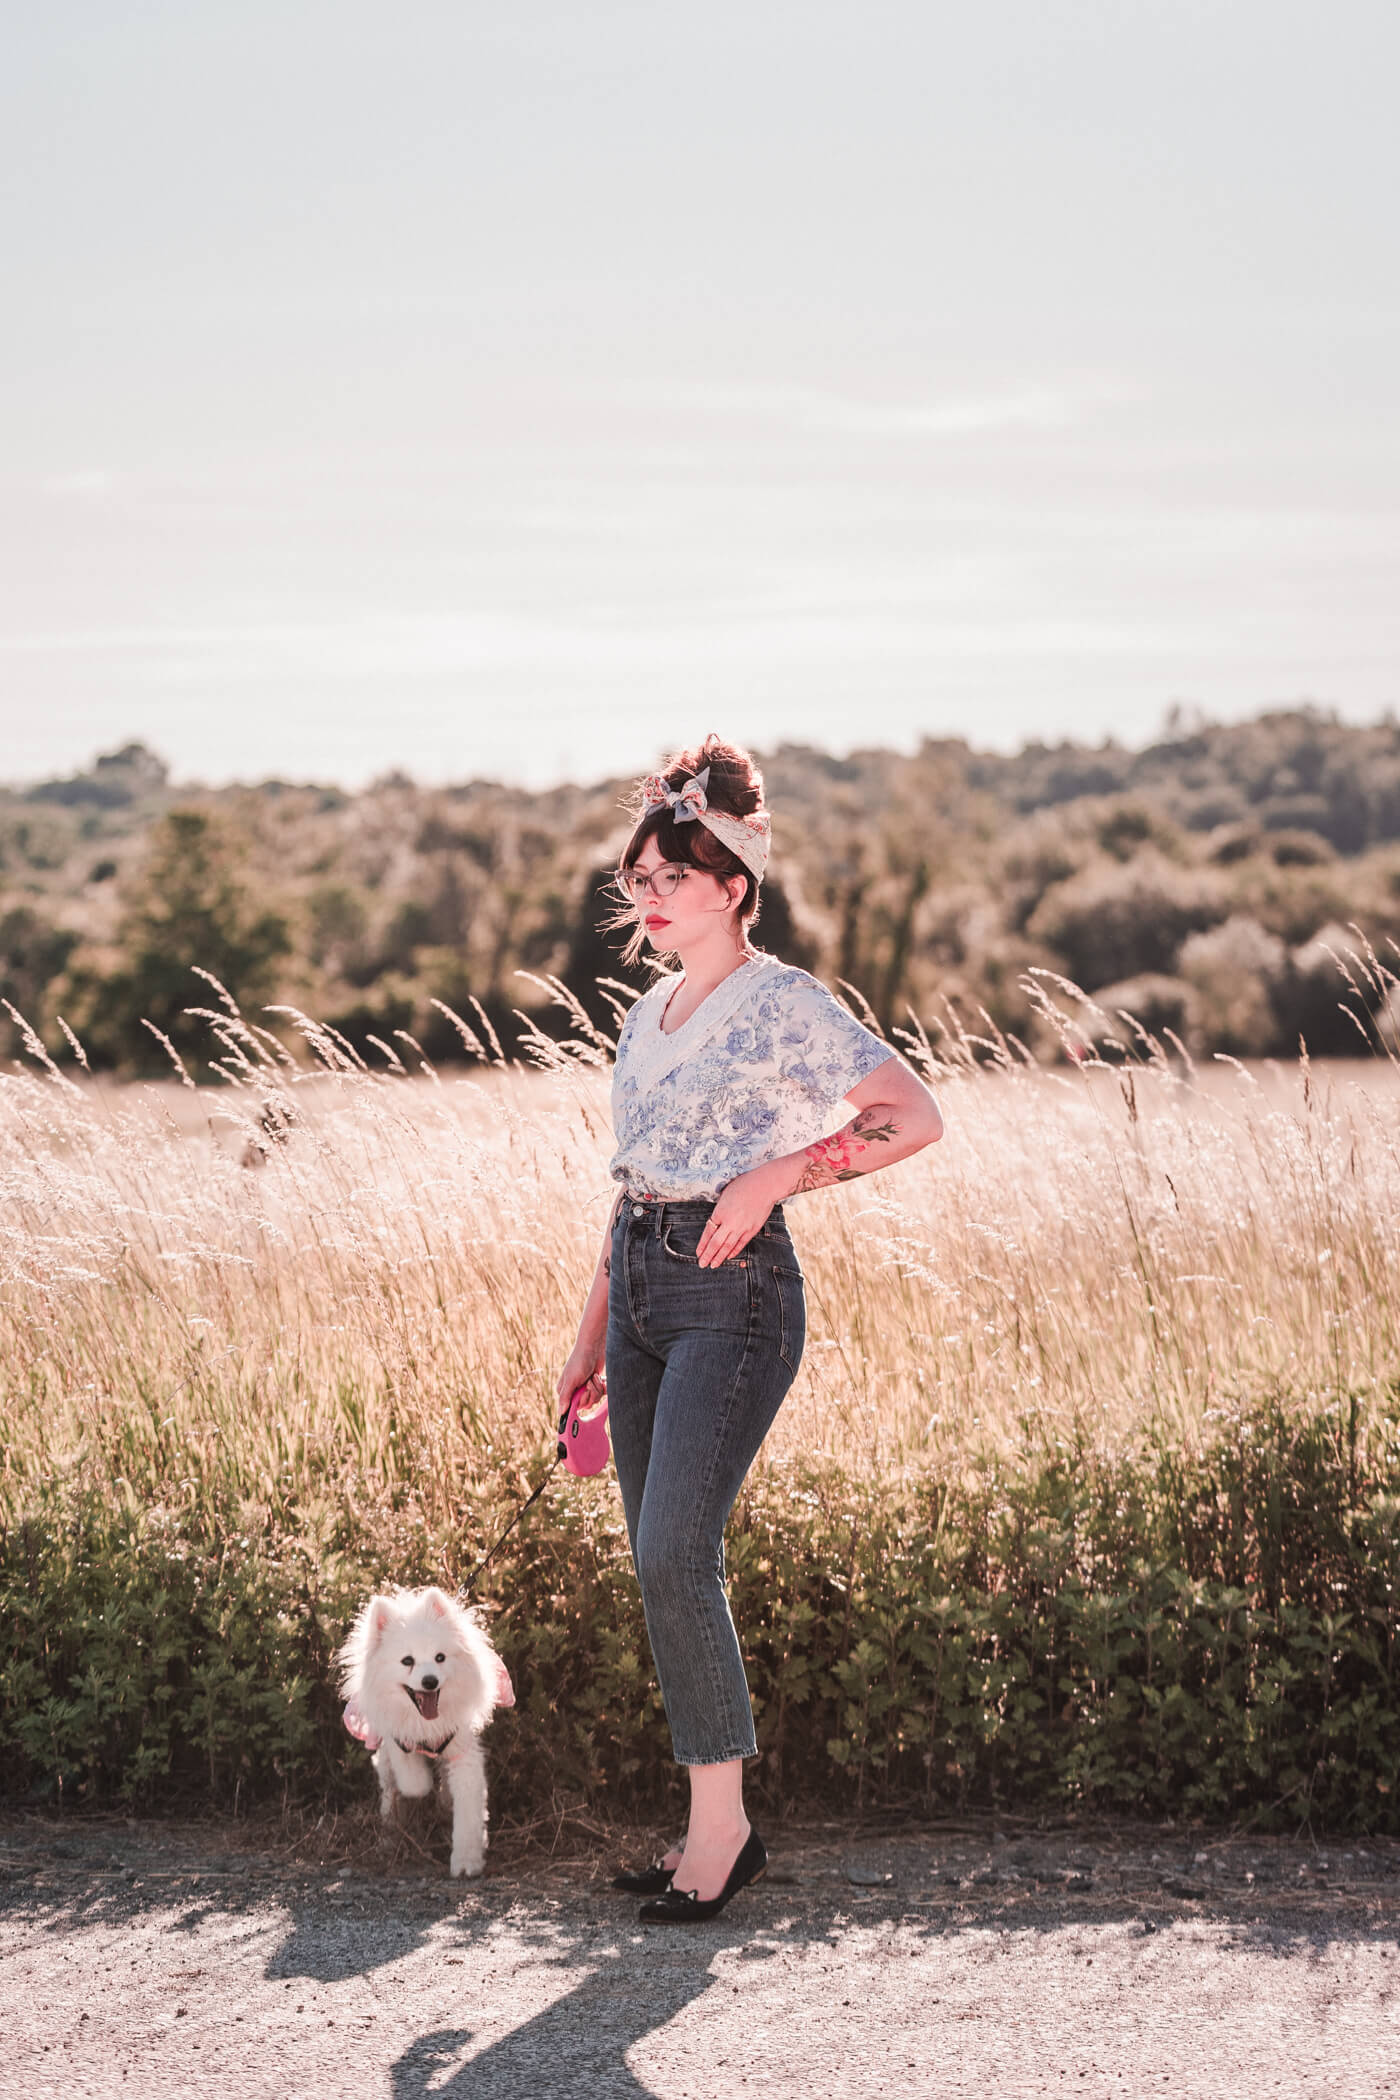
[[585, 1367]]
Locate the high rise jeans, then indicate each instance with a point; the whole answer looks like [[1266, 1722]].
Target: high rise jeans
[[698, 1361]]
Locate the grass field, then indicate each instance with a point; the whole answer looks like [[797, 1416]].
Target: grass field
[[384, 1296], [1088, 1485]]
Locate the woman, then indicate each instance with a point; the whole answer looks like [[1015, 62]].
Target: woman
[[726, 1077]]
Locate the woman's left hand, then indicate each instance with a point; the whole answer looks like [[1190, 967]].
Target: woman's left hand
[[740, 1211]]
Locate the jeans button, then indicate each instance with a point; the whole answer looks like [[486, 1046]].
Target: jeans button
[[638, 1210]]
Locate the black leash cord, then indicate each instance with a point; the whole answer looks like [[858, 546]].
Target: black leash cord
[[471, 1579]]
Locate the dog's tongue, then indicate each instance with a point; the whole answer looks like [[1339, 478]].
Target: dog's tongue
[[428, 1705]]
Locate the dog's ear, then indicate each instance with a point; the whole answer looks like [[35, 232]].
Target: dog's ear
[[438, 1603], [378, 1613]]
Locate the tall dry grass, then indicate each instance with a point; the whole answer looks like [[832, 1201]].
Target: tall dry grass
[[322, 1277]]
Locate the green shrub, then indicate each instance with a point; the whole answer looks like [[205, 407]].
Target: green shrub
[[1211, 1633]]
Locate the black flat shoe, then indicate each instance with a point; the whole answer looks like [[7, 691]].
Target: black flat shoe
[[644, 1881], [683, 1906]]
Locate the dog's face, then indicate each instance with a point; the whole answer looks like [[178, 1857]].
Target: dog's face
[[423, 1662], [420, 1664]]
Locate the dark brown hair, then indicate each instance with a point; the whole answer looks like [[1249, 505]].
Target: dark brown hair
[[735, 787]]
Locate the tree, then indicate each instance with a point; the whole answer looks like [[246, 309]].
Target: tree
[[190, 905], [32, 954], [1109, 922]]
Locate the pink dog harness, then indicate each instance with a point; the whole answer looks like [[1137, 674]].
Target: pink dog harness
[[359, 1727], [422, 1750]]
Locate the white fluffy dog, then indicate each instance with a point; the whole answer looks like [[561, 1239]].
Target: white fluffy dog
[[421, 1680]]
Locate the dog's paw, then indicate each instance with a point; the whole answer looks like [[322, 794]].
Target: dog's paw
[[466, 1864]]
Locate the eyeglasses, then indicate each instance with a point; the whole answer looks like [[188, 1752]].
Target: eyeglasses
[[662, 881]]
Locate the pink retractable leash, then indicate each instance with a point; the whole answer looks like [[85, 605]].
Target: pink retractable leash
[[583, 1438]]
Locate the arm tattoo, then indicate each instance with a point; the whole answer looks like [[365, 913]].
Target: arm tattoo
[[846, 1153], [607, 1265]]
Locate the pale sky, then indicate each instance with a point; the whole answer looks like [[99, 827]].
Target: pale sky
[[516, 390]]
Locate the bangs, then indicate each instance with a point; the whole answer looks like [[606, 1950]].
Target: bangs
[[688, 845]]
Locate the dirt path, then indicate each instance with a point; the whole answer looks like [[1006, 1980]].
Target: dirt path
[[179, 1960]]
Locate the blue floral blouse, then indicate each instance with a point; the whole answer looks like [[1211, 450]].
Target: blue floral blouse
[[754, 1073]]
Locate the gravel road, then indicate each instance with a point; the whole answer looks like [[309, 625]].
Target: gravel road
[[145, 1960]]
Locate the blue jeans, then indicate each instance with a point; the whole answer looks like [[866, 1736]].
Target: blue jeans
[[699, 1361]]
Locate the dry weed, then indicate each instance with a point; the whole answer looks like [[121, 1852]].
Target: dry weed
[[370, 1278]]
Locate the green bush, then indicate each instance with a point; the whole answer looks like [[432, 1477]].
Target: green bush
[[1210, 1633]]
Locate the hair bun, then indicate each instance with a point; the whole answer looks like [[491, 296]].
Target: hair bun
[[735, 784]]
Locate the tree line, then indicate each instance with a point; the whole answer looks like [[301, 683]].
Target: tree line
[[1209, 884]]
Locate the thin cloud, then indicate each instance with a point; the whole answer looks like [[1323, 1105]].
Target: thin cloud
[[91, 483], [1035, 410], [1032, 408]]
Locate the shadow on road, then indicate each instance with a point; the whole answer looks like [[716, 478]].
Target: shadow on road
[[579, 2043]]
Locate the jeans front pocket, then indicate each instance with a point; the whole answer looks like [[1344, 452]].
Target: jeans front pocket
[[682, 1252], [681, 1241], [681, 1295]]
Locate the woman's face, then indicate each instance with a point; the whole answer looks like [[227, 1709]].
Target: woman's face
[[696, 906]]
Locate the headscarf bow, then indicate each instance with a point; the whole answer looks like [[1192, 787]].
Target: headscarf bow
[[748, 838]]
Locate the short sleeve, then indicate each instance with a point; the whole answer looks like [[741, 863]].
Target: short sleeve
[[822, 1048]]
